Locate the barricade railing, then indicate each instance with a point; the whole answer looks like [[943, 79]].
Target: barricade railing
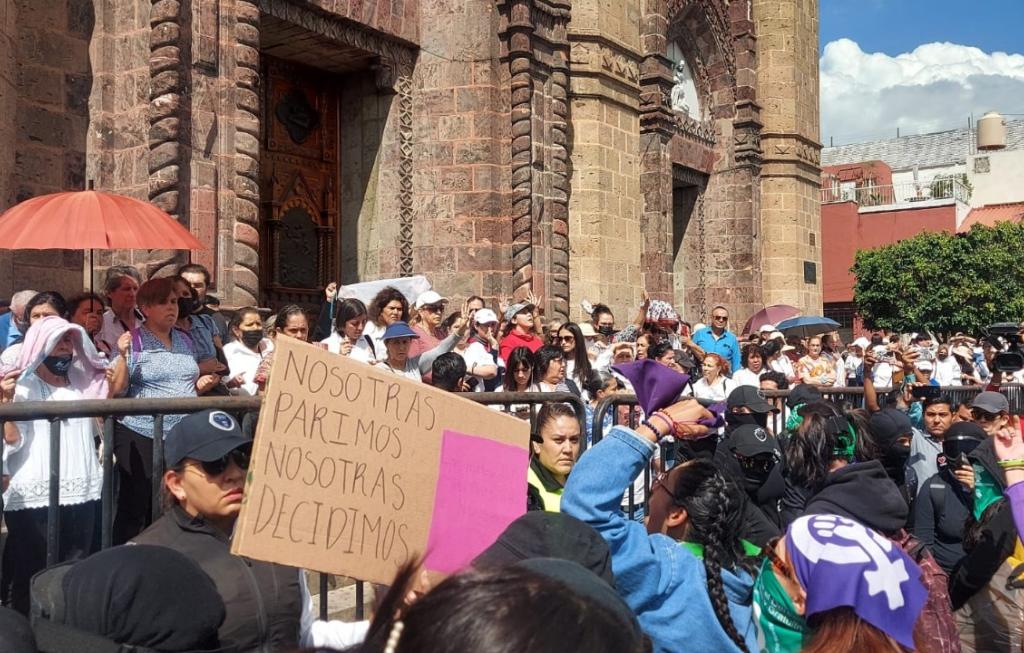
[[623, 410], [525, 405]]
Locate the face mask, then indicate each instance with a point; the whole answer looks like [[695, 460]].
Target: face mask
[[58, 365], [606, 331], [782, 628], [186, 305], [754, 419], [252, 337]]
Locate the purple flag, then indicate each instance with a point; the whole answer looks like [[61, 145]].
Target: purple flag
[[840, 562], [656, 386]]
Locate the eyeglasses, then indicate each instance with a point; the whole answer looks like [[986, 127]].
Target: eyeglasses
[[239, 456], [980, 415], [567, 338], [720, 317], [659, 482], [780, 565]]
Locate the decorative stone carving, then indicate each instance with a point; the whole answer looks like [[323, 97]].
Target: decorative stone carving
[[403, 86], [247, 151]]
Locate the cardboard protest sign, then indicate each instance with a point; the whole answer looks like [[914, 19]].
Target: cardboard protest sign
[[355, 469]]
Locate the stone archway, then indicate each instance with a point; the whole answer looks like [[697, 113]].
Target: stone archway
[[712, 162]]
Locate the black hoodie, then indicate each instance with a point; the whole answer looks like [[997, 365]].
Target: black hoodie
[[865, 493]]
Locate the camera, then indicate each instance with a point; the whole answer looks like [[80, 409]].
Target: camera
[[926, 391], [1005, 337]]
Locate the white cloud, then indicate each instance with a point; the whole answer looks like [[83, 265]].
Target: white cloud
[[866, 96]]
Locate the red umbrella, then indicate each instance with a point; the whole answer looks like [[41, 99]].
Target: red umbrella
[[90, 219], [770, 315]]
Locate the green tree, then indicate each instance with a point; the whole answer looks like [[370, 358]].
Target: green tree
[[943, 282]]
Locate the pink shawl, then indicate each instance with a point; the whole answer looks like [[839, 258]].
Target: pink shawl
[[88, 373]]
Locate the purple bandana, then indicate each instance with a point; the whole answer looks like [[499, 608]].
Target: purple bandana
[[842, 563], [656, 386]]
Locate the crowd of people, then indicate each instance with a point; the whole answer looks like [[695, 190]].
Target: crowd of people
[[721, 515]]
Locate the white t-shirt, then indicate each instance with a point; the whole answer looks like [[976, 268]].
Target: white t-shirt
[[244, 361], [881, 375], [784, 366], [113, 327], [28, 461], [476, 354], [718, 391], [947, 372], [746, 377], [360, 350]]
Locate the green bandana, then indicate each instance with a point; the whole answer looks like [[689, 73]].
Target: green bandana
[[986, 491], [780, 629], [794, 419], [750, 549]]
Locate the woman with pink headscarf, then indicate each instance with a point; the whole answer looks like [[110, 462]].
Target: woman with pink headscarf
[[58, 362]]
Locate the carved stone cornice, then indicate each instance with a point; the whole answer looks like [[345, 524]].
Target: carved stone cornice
[[599, 56], [397, 56]]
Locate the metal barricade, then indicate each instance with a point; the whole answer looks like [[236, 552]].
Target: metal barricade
[[622, 410], [521, 404]]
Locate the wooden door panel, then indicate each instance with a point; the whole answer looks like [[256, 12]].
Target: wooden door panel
[[299, 184]]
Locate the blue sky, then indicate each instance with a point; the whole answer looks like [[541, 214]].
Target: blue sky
[[916, 65], [895, 26]]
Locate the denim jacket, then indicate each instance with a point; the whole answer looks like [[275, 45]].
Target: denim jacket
[[664, 583]]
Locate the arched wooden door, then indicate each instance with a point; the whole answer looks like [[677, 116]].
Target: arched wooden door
[[299, 184]]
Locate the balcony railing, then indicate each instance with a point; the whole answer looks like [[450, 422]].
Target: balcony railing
[[906, 193]]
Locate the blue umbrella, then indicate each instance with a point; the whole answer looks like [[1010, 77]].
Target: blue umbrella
[[807, 325]]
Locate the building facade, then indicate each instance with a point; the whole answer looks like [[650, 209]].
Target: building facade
[[584, 149]]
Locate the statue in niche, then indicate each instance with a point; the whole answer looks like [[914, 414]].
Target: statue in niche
[[684, 91]]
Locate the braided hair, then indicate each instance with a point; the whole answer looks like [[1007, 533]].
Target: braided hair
[[714, 506]]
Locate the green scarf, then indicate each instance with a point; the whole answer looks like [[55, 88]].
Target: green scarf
[[750, 549], [986, 491], [780, 629]]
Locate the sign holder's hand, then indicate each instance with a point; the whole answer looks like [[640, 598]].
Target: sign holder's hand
[[7, 385]]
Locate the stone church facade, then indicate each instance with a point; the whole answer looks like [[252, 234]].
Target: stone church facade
[[584, 149]]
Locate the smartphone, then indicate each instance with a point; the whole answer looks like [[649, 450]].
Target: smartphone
[[684, 330], [926, 391]]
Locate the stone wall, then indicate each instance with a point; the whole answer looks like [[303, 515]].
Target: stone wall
[[51, 79], [605, 206], [787, 78]]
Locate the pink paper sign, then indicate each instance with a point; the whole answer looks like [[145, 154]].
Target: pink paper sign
[[481, 489]]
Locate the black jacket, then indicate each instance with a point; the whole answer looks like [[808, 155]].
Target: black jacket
[[942, 507], [995, 541], [761, 518], [263, 600]]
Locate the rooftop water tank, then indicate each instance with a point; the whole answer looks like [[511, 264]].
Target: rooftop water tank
[[991, 132]]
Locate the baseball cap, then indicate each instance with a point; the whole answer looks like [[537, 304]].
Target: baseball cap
[[862, 342], [751, 440], [429, 297], [747, 396], [399, 330], [516, 309], [991, 402], [776, 334], [889, 424], [204, 436], [485, 316], [802, 393], [766, 328]]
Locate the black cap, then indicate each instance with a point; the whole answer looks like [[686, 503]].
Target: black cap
[[540, 534], [889, 424], [802, 393], [204, 436], [751, 440], [747, 396]]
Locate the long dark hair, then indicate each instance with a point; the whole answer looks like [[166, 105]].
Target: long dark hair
[[714, 508], [520, 357], [814, 445], [345, 310], [579, 352], [505, 610]]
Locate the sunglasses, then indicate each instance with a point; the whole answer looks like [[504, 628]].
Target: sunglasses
[[720, 317], [980, 415], [434, 308], [659, 482], [780, 565], [567, 338], [239, 456]]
